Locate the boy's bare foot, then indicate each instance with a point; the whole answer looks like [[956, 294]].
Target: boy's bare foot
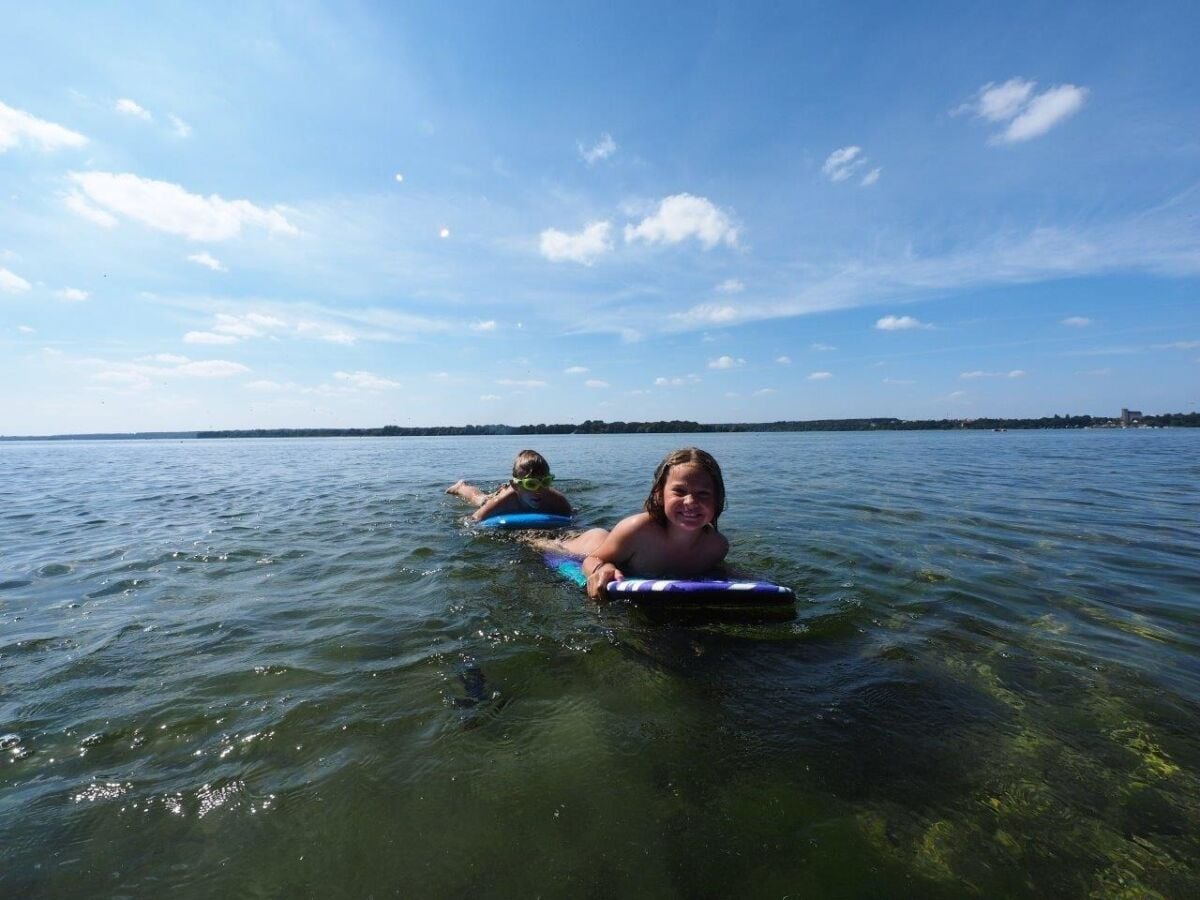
[[456, 487]]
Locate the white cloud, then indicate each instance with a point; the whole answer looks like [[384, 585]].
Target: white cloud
[[1177, 345], [489, 397], [764, 392], [212, 368], [181, 128], [78, 204], [1028, 115], [322, 331], [12, 283], [899, 323], [819, 376], [527, 383], [822, 348], [1076, 321], [443, 232], [489, 325], [17, 126], [1045, 111], [366, 381], [726, 362], [1000, 102], [170, 358], [399, 178], [898, 381], [583, 247], [730, 286], [208, 261], [871, 177], [595, 383], [602, 149], [576, 370], [168, 207], [682, 216], [128, 107], [677, 381], [841, 163], [266, 386], [208, 337], [25, 329], [72, 295], [784, 360], [707, 314], [979, 373]]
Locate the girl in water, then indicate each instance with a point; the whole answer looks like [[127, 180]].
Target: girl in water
[[674, 537]]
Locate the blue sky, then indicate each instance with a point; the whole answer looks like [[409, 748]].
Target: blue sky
[[309, 215]]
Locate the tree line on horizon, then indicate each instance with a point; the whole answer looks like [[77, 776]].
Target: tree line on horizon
[[677, 426]]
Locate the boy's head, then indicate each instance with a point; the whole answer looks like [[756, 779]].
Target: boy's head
[[530, 464], [655, 504]]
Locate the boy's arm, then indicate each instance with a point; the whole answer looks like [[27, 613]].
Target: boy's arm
[[561, 505], [499, 502]]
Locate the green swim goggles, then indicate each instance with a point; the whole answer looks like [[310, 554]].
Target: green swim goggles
[[534, 483]]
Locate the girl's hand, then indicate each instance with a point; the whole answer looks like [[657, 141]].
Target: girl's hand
[[599, 576]]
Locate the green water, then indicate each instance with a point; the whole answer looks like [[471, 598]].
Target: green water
[[272, 668]]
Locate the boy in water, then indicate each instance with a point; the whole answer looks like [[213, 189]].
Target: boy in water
[[528, 491]]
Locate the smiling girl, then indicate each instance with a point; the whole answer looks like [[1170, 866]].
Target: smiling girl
[[675, 537]]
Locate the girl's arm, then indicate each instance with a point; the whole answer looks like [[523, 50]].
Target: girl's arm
[[603, 564]]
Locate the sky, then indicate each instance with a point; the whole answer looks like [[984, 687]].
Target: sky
[[260, 215]]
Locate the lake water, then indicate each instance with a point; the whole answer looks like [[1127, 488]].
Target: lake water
[[284, 667]]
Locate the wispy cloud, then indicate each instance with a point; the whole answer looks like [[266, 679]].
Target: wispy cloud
[[72, 295], [482, 327], [19, 127], [127, 107], [595, 383], [366, 381], [684, 216], [784, 360], [144, 375], [1076, 322], [1028, 115], [730, 286], [602, 149], [978, 373], [12, 283], [583, 247], [179, 128], [819, 376], [842, 163], [822, 348], [575, 370], [521, 383], [168, 207], [899, 323], [726, 362], [676, 381], [208, 261]]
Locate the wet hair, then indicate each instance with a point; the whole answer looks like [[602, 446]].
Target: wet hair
[[687, 455], [530, 463]]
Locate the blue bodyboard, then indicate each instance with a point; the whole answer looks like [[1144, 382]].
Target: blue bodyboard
[[679, 592], [510, 521]]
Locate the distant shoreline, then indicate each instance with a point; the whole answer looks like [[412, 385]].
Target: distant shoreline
[[593, 426]]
